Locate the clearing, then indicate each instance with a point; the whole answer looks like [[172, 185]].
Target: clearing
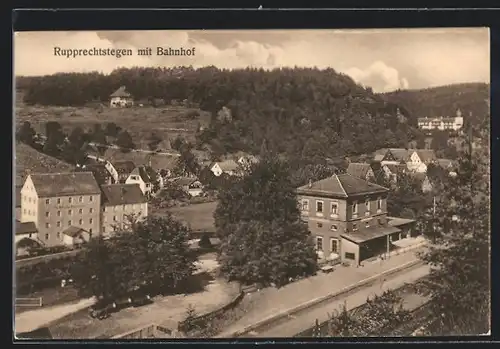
[[167, 122], [199, 217]]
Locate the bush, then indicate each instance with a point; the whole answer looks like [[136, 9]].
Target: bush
[[205, 241]]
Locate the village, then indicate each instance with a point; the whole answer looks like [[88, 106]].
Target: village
[[249, 191]]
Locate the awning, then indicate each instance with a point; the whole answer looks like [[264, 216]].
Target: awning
[[367, 234]]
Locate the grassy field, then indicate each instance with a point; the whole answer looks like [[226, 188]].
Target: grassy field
[[200, 217], [29, 159], [138, 121]]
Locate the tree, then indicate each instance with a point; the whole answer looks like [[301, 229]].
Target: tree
[[154, 141], [98, 137], [76, 137], [187, 164], [55, 138], [178, 142], [124, 141], [153, 255], [94, 271], [459, 283], [262, 236], [112, 129], [26, 134]]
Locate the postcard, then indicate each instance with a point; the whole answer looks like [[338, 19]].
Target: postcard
[[251, 183]]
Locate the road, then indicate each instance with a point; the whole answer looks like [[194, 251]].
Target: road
[[32, 319], [295, 324]]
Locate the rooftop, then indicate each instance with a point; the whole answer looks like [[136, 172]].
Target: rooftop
[[228, 165], [121, 92], [73, 231], [25, 228], [396, 221], [122, 194], [123, 166], [358, 169], [147, 173], [65, 184], [366, 234], [342, 185]]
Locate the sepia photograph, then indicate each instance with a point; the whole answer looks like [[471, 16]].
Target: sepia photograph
[[251, 184]]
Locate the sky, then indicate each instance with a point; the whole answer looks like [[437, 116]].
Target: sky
[[385, 60]]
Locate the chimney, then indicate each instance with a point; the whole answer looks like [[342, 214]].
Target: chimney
[[310, 183]]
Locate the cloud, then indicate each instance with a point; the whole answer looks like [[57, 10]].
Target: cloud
[[379, 76], [383, 59]]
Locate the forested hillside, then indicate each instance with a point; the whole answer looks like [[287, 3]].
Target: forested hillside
[[443, 101], [309, 114]]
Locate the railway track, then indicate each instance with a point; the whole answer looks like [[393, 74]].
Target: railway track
[[286, 323]]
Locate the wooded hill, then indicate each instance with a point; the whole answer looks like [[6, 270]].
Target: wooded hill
[[303, 112], [443, 101], [307, 114]]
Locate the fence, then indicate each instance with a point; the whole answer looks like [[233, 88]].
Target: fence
[[29, 302], [150, 331], [202, 320]]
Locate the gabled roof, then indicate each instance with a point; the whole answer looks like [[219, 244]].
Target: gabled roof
[[342, 185], [25, 228], [100, 172], [358, 169], [73, 231], [123, 167], [147, 173], [183, 181], [400, 154], [65, 184], [426, 155], [121, 92], [228, 165], [122, 194]]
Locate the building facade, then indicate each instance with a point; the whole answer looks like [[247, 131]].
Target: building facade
[[442, 123], [57, 201], [347, 217], [120, 204], [121, 98]]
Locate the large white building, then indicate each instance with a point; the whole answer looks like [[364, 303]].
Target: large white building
[[442, 123]]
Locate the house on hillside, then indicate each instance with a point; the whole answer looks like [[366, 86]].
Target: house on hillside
[[148, 180], [121, 202], [120, 170], [100, 171], [419, 159], [56, 201], [347, 216], [229, 167], [75, 236], [192, 186], [442, 123], [121, 98], [361, 170], [395, 156]]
